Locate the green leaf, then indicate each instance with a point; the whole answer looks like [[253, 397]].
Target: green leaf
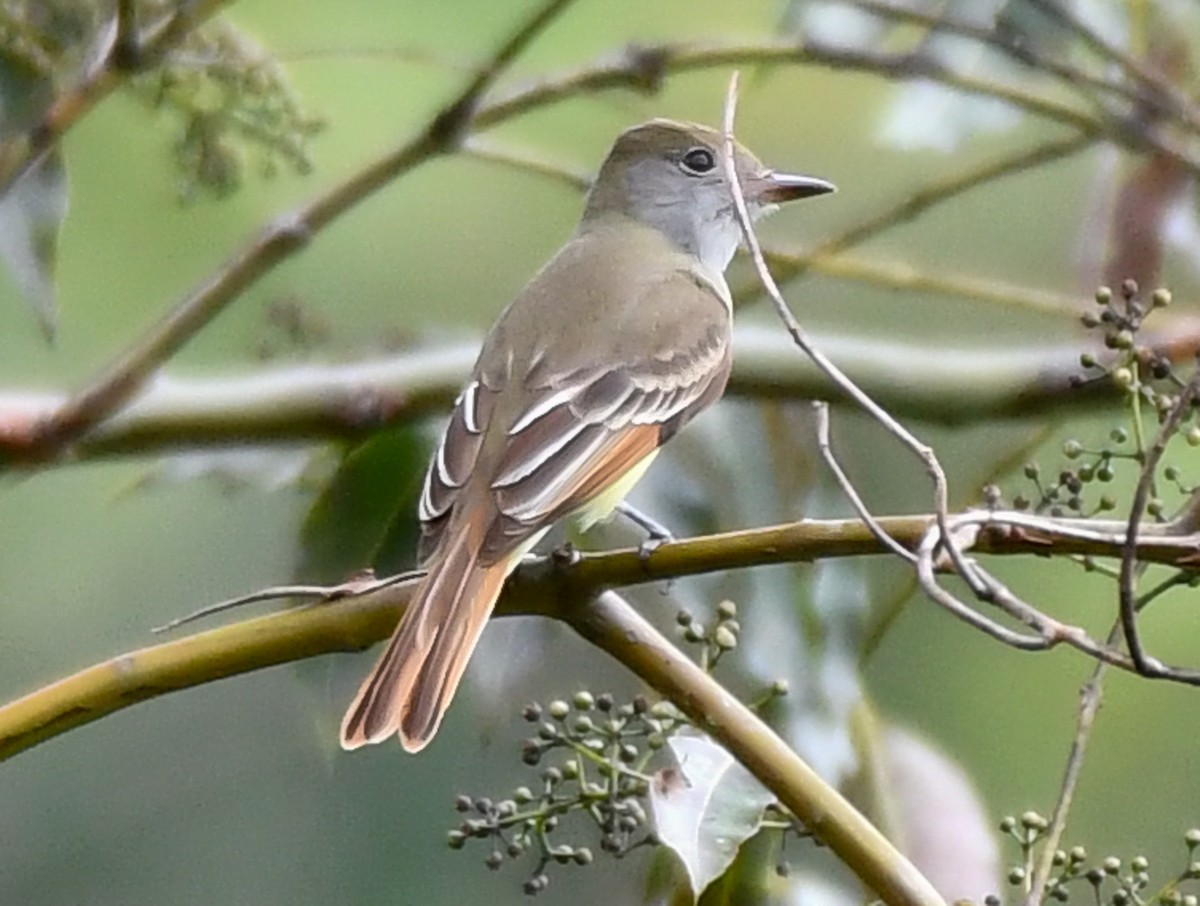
[[706, 807], [367, 514]]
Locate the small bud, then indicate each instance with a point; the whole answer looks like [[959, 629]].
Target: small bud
[[1139, 864], [570, 769], [1059, 858], [694, 632], [1072, 449], [684, 618], [780, 687], [1008, 824], [559, 709], [724, 638], [640, 704], [1161, 298], [1123, 378], [552, 775], [532, 712], [1129, 288], [583, 856], [494, 861], [462, 803], [1111, 865], [516, 849], [583, 724], [1033, 821], [605, 702], [1089, 319], [1192, 838], [583, 701], [1087, 360], [727, 610], [483, 805], [522, 794], [1077, 854], [1103, 295], [456, 839], [1016, 876], [1031, 470]]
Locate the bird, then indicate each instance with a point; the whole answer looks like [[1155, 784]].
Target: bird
[[615, 344]]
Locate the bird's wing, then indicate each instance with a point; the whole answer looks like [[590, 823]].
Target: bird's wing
[[581, 427]]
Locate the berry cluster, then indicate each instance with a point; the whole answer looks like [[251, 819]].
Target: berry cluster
[[1109, 880], [715, 640], [607, 748], [1146, 378]]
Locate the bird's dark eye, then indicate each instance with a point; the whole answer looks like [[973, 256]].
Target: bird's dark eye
[[697, 161]]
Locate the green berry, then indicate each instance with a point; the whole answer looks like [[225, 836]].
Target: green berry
[[558, 709], [1034, 821], [724, 638]]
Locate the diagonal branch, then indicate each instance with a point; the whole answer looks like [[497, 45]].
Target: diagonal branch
[[117, 384], [611, 624]]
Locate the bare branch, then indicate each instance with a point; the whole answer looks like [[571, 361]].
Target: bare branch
[[280, 240], [610, 623]]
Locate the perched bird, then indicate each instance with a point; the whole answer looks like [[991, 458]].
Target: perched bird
[[616, 344]]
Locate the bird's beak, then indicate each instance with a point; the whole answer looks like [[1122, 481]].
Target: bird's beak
[[774, 188]]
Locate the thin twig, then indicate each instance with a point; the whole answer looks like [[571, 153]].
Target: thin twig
[[1179, 105], [800, 336], [1090, 697], [357, 585], [823, 444], [951, 186], [1141, 494], [1022, 52]]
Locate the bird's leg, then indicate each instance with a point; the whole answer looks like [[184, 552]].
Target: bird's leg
[[566, 554], [658, 533]]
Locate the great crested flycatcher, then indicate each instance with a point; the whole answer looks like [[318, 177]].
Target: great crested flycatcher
[[616, 343]]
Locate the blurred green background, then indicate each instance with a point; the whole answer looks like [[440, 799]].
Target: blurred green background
[[236, 792]]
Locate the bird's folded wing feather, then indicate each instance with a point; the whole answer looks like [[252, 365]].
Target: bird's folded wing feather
[[580, 428]]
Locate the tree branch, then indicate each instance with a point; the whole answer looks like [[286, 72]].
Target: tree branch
[[289, 403], [611, 624], [118, 383], [354, 622]]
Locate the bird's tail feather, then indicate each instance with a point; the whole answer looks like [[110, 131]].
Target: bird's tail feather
[[412, 684]]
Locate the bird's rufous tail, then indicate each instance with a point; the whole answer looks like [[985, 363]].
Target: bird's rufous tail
[[412, 684]]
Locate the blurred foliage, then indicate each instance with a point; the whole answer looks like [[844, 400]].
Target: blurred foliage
[[234, 793]]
